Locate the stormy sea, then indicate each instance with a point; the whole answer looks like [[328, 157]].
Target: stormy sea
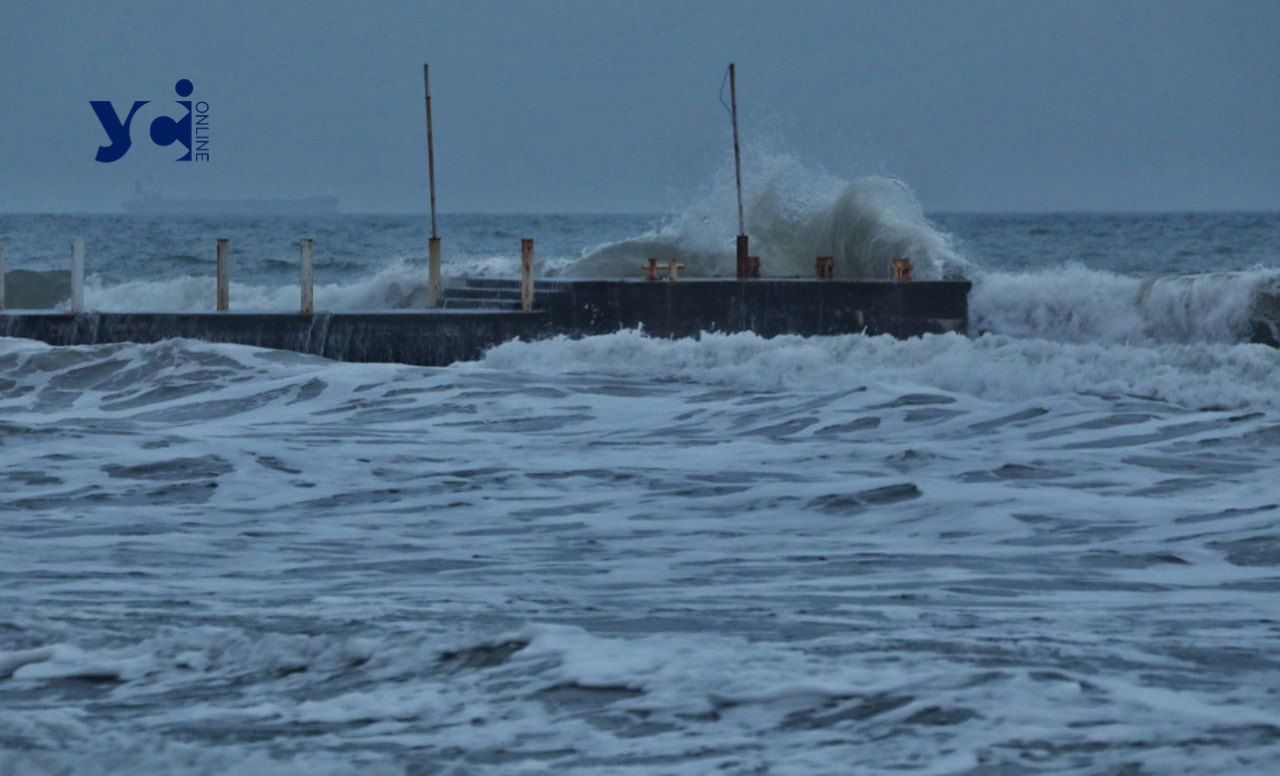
[[1050, 546]]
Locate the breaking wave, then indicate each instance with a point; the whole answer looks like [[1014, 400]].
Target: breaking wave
[[991, 367], [1078, 304], [793, 215]]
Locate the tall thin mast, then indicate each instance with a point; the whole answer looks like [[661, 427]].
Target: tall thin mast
[[744, 262], [737, 152], [431, 147], [433, 245]]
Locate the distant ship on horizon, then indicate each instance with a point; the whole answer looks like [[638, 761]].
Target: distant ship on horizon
[[153, 203]]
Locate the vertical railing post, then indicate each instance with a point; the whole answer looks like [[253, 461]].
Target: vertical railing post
[[224, 274], [433, 272], [650, 267], [1, 274], [307, 262], [826, 267], [526, 274], [76, 303]]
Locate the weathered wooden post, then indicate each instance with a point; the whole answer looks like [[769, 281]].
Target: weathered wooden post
[[76, 303], [526, 274], [744, 261], [307, 261], [433, 245], [650, 268], [224, 274], [673, 269], [1, 274]]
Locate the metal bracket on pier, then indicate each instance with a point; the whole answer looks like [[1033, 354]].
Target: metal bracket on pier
[[826, 267], [901, 269]]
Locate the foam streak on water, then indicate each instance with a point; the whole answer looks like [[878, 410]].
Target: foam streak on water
[[1052, 547], [634, 556]]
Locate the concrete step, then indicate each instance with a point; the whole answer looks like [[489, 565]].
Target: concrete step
[[480, 304], [482, 293], [539, 284], [490, 294]]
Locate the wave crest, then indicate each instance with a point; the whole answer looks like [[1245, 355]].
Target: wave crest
[[793, 215]]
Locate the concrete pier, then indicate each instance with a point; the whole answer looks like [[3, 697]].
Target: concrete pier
[[561, 307]]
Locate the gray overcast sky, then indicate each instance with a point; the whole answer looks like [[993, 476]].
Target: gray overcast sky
[[612, 106]]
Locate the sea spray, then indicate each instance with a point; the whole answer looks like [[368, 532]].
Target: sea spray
[[398, 285], [794, 214], [1078, 304]]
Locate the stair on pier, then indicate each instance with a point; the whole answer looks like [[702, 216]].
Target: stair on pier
[[490, 294]]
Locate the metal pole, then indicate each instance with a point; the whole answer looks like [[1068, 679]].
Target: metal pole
[[431, 146], [76, 303], [224, 274], [307, 261], [742, 245], [433, 245], [526, 274], [1, 274]]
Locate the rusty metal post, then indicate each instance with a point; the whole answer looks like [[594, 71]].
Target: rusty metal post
[[433, 245], [826, 268], [307, 262], [76, 302], [743, 266], [433, 272], [901, 269], [224, 274], [650, 269], [526, 274], [1, 274]]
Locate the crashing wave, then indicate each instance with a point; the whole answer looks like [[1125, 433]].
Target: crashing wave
[[793, 215]]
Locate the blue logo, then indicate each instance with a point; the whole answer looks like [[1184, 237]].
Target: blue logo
[[165, 131]]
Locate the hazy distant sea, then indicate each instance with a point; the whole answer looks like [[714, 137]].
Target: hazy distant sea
[[1054, 547]]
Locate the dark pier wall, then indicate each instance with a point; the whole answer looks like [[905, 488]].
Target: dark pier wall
[[573, 308], [766, 307], [424, 338]]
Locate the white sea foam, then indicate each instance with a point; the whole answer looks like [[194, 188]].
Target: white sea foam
[[631, 555], [398, 285], [992, 366], [1077, 304], [1071, 304], [794, 214], [1052, 546]]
